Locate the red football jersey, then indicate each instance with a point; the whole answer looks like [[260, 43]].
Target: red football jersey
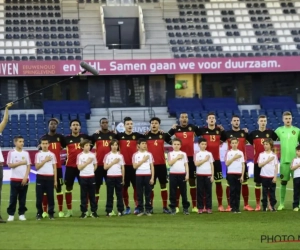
[[56, 144], [73, 148], [101, 142], [186, 135], [257, 138], [156, 146], [242, 136], [214, 138], [128, 145]]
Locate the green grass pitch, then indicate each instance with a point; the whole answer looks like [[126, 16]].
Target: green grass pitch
[[161, 231]]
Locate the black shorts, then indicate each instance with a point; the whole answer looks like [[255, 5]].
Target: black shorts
[[192, 167], [129, 176], [59, 179], [257, 169], [218, 175], [100, 173], [70, 175], [161, 173]]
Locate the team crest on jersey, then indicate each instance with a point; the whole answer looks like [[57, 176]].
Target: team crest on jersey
[[133, 137], [190, 129], [160, 136], [71, 141], [217, 132], [110, 137], [267, 135], [149, 137], [242, 134], [99, 137], [231, 135], [293, 132], [57, 138], [23, 158]]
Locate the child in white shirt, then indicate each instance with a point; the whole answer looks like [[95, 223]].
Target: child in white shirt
[[268, 162], [234, 161], [19, 162], [179, 175], [142, 161], [46, 181], [87, 164], [114, 164], [296, 181], [205, 176]]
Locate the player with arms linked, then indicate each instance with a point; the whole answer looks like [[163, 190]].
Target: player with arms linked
[[56, 144], [186, 133], [214, 136], [101, 139], [243, 137], [73, 149], [257, 138], [155, 144], [128, 146]]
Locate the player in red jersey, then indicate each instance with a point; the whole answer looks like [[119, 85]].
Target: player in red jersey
[[56, 144], [214, 136], [155, 144], [257, 138], [243, 137], [186, 133], [73, 149], [128, 146], [101, 140]]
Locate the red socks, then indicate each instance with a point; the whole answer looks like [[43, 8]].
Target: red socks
[[68, 196], [228, 195], [164, 196], [152, 197], [60, 199], [177, 197], [45, 203], [219, 192], [257, 195], [193, 196], [245, 193], [125, 196]]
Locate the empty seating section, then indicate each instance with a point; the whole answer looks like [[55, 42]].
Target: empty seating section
[[62, 107], [244, 28], [33, 126], [224, 108], [36, 30]]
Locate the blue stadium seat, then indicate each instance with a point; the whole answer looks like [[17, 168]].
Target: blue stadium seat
[[73, 116]]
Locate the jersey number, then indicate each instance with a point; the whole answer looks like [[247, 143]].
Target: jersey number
[[77, 146], [128, 143], [155, 143], [212, 138], [105, 143], [185, 135], [262, 141], [53, 145]]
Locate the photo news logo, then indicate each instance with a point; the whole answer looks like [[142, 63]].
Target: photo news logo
[[279, 238]]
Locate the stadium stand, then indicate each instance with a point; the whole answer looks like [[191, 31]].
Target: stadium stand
[[39, 29], [233, 28], [224, 108], [35, 30]]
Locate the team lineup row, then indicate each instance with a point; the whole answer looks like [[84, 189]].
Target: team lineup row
[[214, 135]]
